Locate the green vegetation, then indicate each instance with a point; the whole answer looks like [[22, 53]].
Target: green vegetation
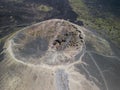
[[104, 22], [99, 15], [44, 8]]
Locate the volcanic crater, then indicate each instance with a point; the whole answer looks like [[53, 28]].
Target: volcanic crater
[[55, 42]]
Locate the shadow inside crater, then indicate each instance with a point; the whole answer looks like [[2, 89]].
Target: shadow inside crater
[[33, 49]]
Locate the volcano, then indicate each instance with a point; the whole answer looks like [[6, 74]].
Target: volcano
[[59, 55]]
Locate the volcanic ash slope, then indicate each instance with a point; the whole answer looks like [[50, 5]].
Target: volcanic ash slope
[[54, 55]]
